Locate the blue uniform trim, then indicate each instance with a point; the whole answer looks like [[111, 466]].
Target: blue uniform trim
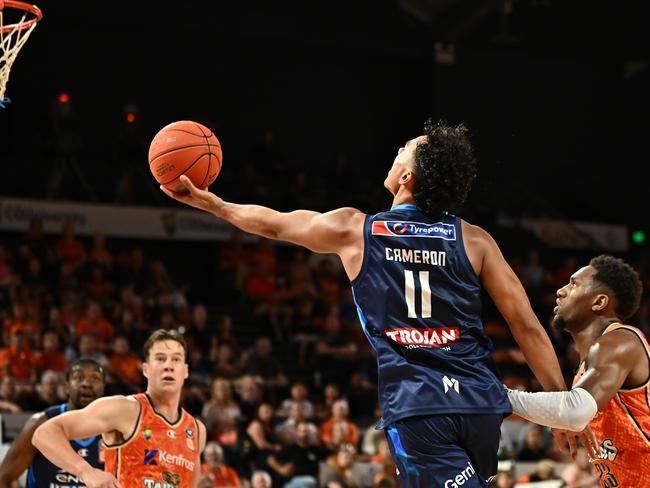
[[397, 442], [362, 319], [85, 442], [405, 206]]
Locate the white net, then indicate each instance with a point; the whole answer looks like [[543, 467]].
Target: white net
[[12, 39]]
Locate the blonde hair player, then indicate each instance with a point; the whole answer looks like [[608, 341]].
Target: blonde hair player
[[150, 440]]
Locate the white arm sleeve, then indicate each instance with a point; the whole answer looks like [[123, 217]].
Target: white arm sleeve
[[569, 410]]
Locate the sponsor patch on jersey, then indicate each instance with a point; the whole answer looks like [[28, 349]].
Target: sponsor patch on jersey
[[150, 456], [189, 432], [146, 432], [396, 228], [421, 337]]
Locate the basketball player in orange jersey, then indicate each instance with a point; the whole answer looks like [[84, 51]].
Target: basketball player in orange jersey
[[150, 441], [416, 272], [611, 390]]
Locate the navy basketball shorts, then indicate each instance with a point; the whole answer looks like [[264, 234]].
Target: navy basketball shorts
[[445, 451]]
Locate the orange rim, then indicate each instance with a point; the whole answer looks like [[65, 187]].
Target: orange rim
[[27, 7]]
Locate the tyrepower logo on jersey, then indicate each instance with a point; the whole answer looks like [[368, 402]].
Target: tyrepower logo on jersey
[[155, 457], [396, 228], [461, 478], [412, 337]]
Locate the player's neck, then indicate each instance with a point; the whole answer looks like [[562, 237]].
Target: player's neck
[[403, 196], [585, 337], [165, 404]]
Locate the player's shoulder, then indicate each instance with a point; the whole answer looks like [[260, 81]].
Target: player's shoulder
[[621, 342], [347, 213]]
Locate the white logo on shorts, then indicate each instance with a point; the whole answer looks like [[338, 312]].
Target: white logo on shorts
[[461, 478]]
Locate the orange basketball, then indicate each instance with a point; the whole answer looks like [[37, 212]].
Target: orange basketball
[[185, 148]]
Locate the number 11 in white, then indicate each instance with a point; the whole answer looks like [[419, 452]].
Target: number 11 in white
[[409, 293]]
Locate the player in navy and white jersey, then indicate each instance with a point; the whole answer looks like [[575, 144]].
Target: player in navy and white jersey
[[85, 383], [416, 273]]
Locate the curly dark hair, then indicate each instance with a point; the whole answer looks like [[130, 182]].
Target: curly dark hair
[[445, 168], [623, 280]]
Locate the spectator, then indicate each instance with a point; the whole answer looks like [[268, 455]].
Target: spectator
[[222, 475], [6, 270], [266, 368], [262, 433], [338, 470], [261, 479], [47, 393], [8, 397], [225, 335], [504, 479], [36, 241], [51, 357], [88, 349], [387, 474], [580, 473], [533, 448], [96, 324], [336, 354], [331, 394], [299, 394], [98, 286], [20, 321], [297, 464], [338, 430], [221, 413], [544, 471], [286, 431], [17, 360], [201, 335], [69, 248], [249, 397], [126, 367], [99, 253], [227, 363]]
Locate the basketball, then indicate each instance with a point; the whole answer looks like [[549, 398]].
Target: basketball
[[185, 148]]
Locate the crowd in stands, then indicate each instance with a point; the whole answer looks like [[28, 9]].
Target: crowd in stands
[[280, 370]]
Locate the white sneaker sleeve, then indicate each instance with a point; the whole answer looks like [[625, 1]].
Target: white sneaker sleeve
[[569, 410]]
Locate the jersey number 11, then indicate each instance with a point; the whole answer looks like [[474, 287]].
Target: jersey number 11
[[409, 293]]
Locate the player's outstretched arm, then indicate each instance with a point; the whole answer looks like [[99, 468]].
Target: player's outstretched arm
[[104, 415], [508, 294], [21, 453], [329, 232]]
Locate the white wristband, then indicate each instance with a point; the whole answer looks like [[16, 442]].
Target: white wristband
[[569, 410]]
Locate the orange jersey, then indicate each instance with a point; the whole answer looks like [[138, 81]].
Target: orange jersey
[[158, 454], [623, 428]]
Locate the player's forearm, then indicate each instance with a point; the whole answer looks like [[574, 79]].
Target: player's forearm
[[51, 440], [568, 410], [259, 220], [541, 357]]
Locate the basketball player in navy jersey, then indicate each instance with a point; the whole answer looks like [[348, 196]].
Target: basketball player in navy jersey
[[416, 272], [86, 381]]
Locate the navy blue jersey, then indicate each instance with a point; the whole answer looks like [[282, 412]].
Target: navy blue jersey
[[418, 299], [44, 474]]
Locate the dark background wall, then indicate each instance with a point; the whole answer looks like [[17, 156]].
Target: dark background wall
[[556, 95]]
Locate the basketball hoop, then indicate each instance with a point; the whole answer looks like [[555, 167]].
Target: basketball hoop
[[20, 18]]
